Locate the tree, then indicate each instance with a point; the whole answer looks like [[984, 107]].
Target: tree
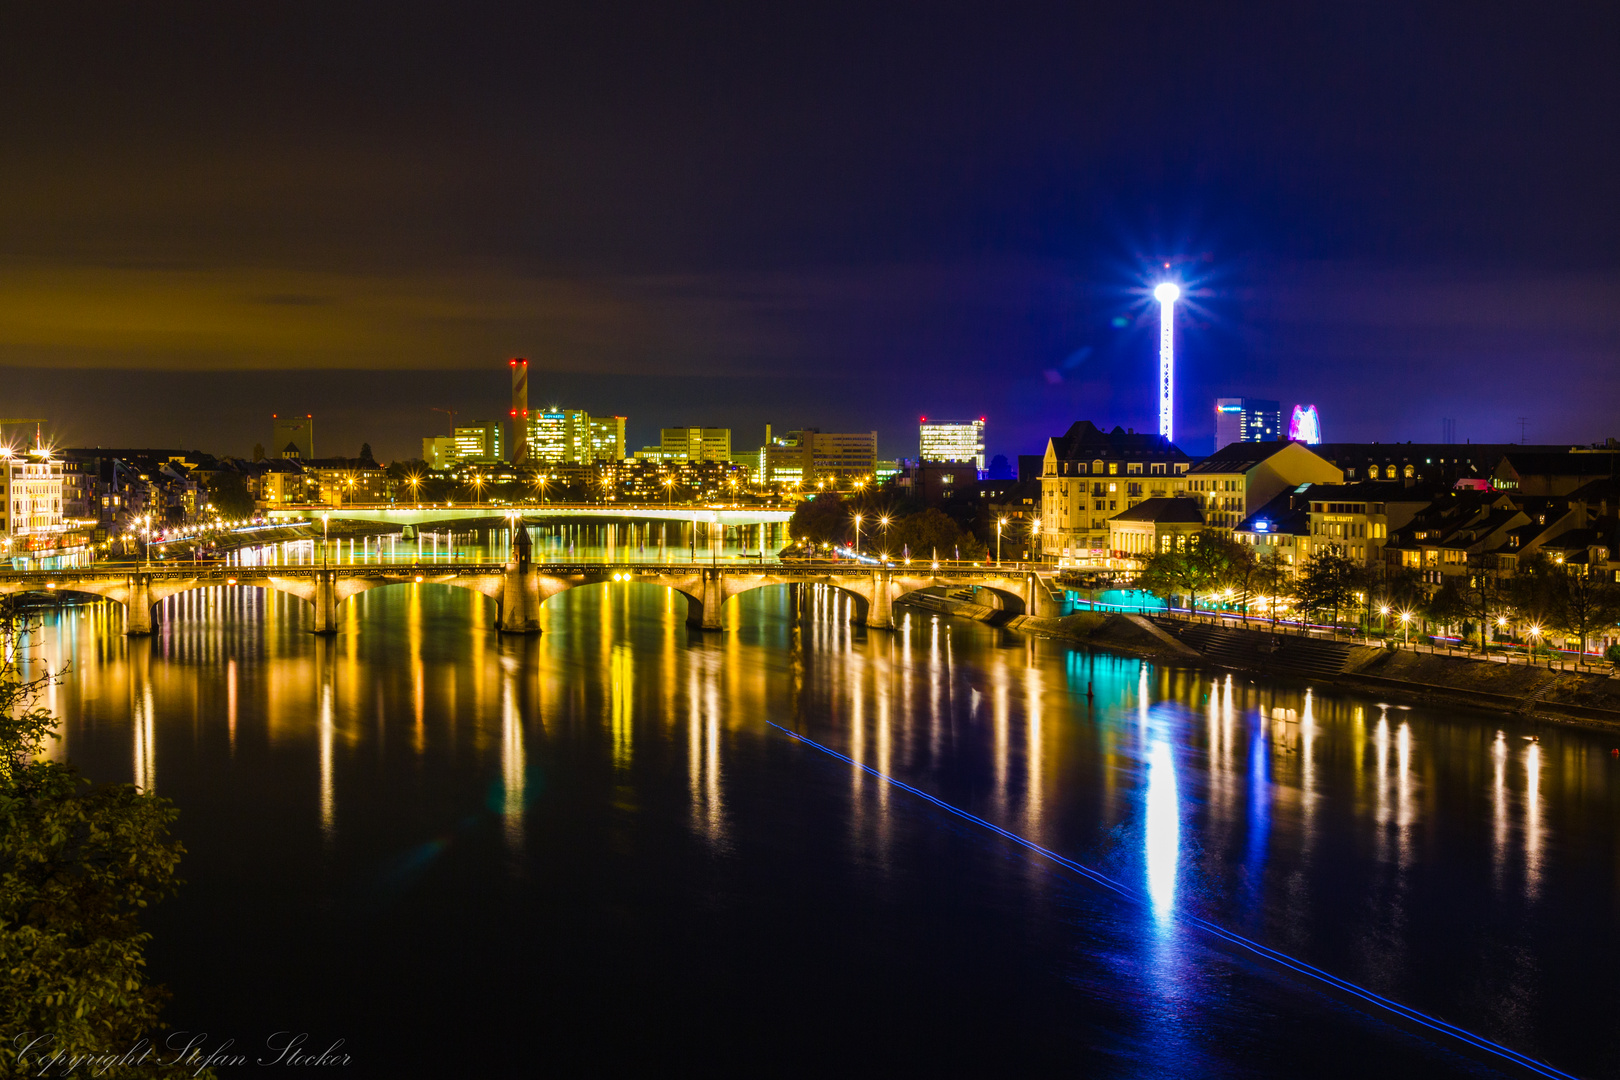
[[229, 494], [1187, 570], [1449, 605], [821, 519], [1271, 576], [78, 863], [1329, 581], [1584, 604], [928, 532], [365, 456]]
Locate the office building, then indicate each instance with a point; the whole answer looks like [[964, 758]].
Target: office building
[[292, 437], [696, 444], [440, 452], [952, 440], [802, 458], [606, 438], [482, 443], [1246, 420], [559, 436]]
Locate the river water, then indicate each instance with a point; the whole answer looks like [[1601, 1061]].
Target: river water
[[592, 850]]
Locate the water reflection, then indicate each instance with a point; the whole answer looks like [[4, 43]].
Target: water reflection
[[1163, 832], [1308, 819]]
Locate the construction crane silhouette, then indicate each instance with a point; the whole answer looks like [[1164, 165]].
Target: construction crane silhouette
[[451, 413]]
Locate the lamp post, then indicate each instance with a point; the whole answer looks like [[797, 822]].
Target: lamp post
[[1383, 614], [857, 536], [883, 523], [999, 523], [1535, 636], [325, 542], [415, 482], [669, 491], [1406, 625]]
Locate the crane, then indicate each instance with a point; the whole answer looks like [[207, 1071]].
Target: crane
[[451, 413]]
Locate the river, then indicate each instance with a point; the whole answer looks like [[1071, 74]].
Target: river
[[600, 848]]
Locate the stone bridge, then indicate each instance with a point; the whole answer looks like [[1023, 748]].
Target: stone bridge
[[519, 587]]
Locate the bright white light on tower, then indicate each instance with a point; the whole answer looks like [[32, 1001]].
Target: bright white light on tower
[[1166, 294]]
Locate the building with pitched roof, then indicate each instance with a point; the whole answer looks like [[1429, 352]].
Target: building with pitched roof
[[1089, 475], [1238, 479]]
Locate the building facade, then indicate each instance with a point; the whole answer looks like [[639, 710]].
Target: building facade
[[606, 442], [951, 440], [695, 444], [1240, 478], [1088, 476], [482, 443], [1246, 420]]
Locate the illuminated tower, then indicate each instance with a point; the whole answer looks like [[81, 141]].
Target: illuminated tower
[[520, 410], [1167, 294]]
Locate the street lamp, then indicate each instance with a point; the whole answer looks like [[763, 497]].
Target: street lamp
[[415, 481], [1383, 613], [857, 536], [325, 542], [1535, 635], [1406, 625], [669, 491], [999, 523]]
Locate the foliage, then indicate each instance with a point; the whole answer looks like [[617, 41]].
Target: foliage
[[1449, 605], [78, 863], [1204, 564], [929, 532], [1584, 604], [229, 494], [823, 518], [365, 455], [1329, 581], [1271, 577]]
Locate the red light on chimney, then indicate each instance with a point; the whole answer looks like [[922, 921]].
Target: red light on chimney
[[922, 419], [981, 419]]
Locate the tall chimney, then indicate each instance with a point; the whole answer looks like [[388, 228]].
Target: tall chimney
[[520, 410]]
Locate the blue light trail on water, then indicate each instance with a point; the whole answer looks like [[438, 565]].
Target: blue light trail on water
[[1403, 1012]]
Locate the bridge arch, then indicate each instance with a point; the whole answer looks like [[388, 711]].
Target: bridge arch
[[860, 601], [688, 586]]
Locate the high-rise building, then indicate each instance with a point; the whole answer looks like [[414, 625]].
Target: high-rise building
[[1246, 420], [294, 436], [952, 440], [696, 444], [482, 442], [606, 438], [559, 436]]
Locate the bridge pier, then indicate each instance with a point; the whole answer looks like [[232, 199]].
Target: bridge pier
[[325, 602], [520, 589], [880, 611], [138, 608], [710, 602], [520, 601], [1038, 599]]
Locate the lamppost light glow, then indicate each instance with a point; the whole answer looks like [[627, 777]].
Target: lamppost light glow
[[1168, 292]]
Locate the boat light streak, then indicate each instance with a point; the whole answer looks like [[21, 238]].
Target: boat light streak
[[1403, 1012]]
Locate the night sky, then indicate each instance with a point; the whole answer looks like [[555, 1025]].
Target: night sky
[[842, 216]]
